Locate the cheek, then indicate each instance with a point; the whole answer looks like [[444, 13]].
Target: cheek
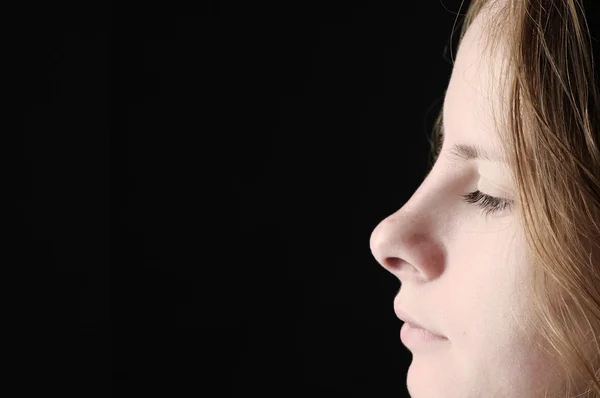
[[490, 272], [487, 279], [486, 284], [486, 269], [482, 305]]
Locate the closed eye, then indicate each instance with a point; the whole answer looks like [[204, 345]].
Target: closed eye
[[489, 204]]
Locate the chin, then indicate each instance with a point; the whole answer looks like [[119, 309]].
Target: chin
[[423, 383]]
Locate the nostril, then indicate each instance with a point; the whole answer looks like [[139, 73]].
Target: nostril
[[392, 262]]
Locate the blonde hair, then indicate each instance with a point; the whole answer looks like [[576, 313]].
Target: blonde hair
[[551, 139]]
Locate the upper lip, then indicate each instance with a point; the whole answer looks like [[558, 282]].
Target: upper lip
[[403, 316]]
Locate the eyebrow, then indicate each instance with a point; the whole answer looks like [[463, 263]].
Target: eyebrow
[[470, 152]]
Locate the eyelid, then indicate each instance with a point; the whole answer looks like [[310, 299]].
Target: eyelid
[[487, 203], [502, 190], [437, 149]]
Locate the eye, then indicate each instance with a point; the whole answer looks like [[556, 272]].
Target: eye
[[489, 204]]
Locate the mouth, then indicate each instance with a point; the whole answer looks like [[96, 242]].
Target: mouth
[[417, 329], [413, 336]]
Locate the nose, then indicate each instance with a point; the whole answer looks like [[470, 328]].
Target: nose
[[407, 244]]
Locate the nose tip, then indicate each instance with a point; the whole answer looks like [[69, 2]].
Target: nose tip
[[382, 246], [404, 245], [374, 241]]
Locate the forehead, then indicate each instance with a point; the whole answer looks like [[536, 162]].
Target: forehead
[[474, 103]]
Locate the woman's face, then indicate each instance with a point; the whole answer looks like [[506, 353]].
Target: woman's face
[[463, 273]]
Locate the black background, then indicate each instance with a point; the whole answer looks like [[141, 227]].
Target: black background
[[202, 180]]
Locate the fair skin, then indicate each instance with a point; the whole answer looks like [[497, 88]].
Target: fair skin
[[463, 273]]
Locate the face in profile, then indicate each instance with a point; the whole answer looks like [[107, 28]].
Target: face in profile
[[462, 260]]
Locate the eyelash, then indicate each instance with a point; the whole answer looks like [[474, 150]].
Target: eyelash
[[489, 204]]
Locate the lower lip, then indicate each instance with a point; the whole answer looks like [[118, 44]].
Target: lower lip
[[412, 336]]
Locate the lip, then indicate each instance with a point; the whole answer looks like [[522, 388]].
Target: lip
[[416, 339], [403, 316]]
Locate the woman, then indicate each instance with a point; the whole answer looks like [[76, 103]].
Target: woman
[[498, 250]]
